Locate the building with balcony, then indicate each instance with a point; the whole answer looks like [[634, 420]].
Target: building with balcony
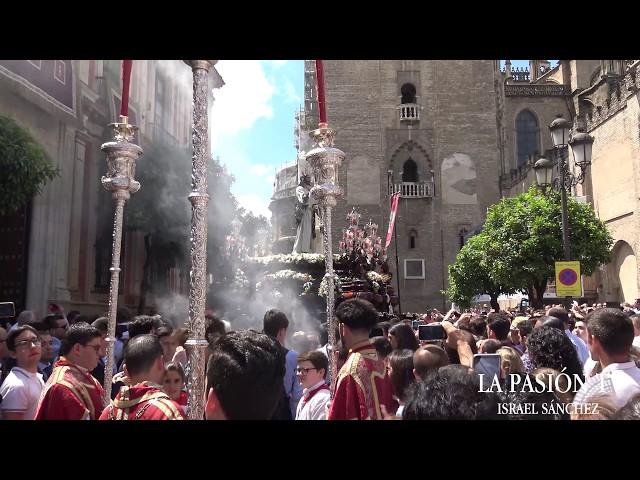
[[426, 130]]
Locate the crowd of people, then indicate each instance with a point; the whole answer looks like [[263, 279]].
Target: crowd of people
[[552, 363]]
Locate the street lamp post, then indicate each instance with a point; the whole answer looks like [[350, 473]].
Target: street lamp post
[[560, 130], [581, 144]]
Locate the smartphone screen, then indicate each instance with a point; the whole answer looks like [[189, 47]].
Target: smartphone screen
[[487, 364], [415, 324], [7, 310], [431, 332]]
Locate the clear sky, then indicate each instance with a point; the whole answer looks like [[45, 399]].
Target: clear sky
[[252, 124]]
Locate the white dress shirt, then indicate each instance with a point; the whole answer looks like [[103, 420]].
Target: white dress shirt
[[316, 407], [21, 392], [620, 381]]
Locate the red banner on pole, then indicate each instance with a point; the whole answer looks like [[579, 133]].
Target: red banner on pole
[[392, 219]]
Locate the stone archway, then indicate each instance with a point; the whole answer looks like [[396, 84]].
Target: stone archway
[[623, 273]]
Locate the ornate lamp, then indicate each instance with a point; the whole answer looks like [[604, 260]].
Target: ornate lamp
[[325, 160], [582, 144], [544, 172], [120, 181], [560, 129]]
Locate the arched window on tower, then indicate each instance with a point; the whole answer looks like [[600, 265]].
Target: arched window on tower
[[413, 239], [410, 171], [528, 135], [408, 92]]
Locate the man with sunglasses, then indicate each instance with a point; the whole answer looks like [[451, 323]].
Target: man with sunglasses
[[58, 325], [72, 393], [22, 388]]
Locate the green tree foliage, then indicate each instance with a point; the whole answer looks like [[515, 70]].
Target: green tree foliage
[[524, 238], [24, 165], [469, 275], [252, 226]]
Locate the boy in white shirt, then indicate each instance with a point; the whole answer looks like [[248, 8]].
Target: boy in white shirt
[[22, 388], [312, 372]]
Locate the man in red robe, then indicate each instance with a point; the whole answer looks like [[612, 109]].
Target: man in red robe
[[144, 399], [71, 392], [363, 385]]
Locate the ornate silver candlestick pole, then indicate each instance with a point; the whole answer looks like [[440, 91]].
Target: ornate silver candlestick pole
[[325, 160], [199, 198], [121, 170]]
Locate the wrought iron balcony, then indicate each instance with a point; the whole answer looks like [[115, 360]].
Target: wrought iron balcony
[[409, 112], [412, 189]]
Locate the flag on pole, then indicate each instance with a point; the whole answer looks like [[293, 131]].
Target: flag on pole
[[392, 220]]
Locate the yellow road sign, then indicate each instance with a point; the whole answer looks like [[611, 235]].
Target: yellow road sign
[[568, 282]]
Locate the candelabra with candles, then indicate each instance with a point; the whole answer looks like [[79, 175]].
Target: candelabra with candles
[[120, 181], [325, 160], [358, 242]]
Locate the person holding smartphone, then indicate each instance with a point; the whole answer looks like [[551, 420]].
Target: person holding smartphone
[[459, 341]]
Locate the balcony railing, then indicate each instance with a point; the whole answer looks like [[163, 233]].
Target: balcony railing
[[412, 190], [409, 112], [520, 74], [534, 90]]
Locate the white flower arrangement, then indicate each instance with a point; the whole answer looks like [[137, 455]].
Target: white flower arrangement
[[290, 259], [289, 275], [323, 290], [378, 277]]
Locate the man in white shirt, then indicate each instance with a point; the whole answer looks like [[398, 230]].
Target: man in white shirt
[[312, 371], [579, 345], [610, 338], [635, 319], [22, 388]]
